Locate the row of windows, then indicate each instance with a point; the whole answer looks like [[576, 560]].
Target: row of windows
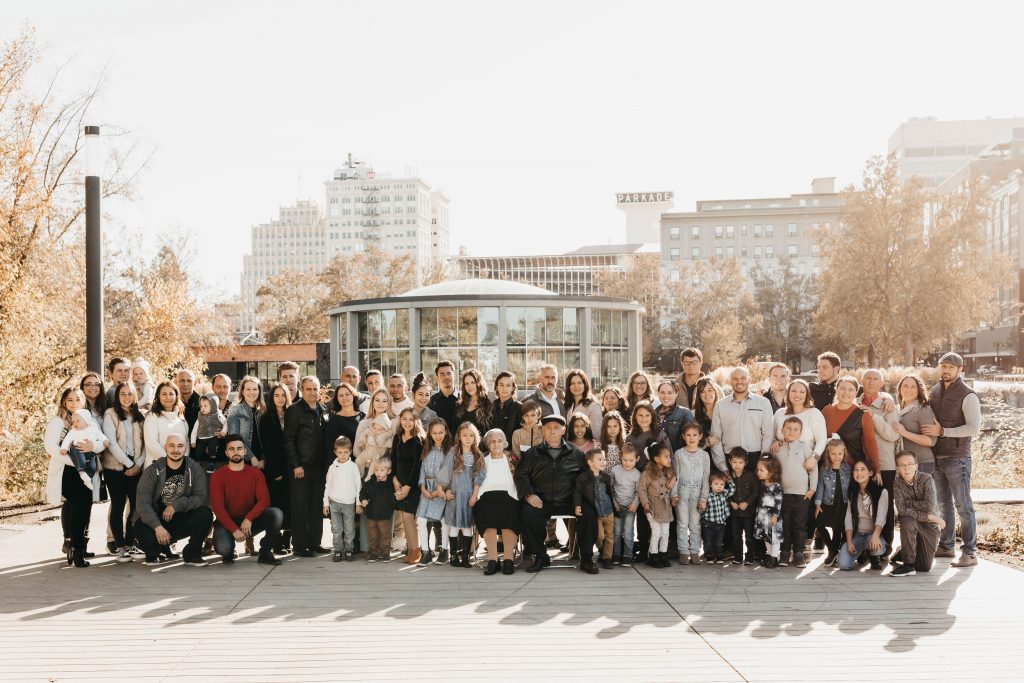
[[770, 272], [730, 231], [373, 199], [767, 251]]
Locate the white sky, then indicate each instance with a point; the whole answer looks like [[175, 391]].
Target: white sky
[[530, 115]]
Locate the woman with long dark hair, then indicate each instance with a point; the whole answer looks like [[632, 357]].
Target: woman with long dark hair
[[638, 389], [275, 466], [579, 399], [705, 395], [166, 417], [122, 463], [474, 404], [508, 411]]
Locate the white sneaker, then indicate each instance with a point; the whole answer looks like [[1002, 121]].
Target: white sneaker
[[136, 553], [86, 479], [123, 555]]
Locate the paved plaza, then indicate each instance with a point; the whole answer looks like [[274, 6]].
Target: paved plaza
[[313, 620]]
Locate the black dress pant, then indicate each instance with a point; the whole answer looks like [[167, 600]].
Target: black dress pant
[[534, 521], [122, 494], [77, 507], [194, 525], [586, 528], [889, 530], [307, 499]]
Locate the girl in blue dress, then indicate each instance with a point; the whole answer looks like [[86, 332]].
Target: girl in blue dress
[[467, 472], [435, 487]]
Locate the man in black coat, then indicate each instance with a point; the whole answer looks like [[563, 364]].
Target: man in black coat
[[304, 423], [546, 480]]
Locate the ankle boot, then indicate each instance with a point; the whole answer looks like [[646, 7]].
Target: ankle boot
[[78, 556], [467, 552], [453, 550]]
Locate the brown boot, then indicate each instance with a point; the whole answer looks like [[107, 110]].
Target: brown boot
[[413, 556]]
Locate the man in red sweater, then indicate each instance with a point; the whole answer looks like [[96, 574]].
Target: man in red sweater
[[241, 502]]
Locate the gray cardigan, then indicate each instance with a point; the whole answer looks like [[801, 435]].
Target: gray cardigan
[[151, 482], [912, 419]]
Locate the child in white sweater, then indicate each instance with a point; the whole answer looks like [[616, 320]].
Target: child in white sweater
[[83, 429]]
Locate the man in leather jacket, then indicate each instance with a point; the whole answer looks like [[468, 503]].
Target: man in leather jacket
[[304, 423], [546, 480]]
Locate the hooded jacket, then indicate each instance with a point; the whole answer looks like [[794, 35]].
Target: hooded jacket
[[151, 482]]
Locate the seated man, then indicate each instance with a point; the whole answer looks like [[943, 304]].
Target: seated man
[[172, 504], [918, 511], [546, 479], [240, 499]]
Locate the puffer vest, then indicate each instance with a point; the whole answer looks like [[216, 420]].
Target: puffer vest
[[948, 407]]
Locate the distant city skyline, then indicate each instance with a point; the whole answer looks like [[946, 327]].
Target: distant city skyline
[[530, 119]]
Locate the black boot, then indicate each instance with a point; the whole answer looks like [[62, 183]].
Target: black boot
[[468, 554], [78, 556], [507, 567], [492, 568], [453, 551]]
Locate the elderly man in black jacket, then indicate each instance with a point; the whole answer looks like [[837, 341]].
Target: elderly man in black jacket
[[546, 480], [304, 423]]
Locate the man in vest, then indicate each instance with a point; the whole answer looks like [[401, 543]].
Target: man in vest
[[958, 412]]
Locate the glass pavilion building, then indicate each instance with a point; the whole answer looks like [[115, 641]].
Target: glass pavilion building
[[492, 325]]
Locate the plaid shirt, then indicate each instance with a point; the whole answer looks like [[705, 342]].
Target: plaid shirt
[[717, 510]]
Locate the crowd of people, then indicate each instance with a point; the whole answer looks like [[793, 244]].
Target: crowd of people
[[654, 471]]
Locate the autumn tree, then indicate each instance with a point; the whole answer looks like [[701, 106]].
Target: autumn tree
[[893, 283], [780, 313]]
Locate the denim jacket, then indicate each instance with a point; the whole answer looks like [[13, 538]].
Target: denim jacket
[[240, 421], [673, 423], [826, 491]]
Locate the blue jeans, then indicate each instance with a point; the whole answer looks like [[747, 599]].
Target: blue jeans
[[860, 542], [343, 525], [953, 486], [623, 532], [84, 461], [714, 534], [688, 525], [269, 521]]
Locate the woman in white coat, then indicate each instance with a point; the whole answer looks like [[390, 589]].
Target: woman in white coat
[[165, 418]]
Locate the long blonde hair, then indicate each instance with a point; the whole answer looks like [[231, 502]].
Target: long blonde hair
[[371, 411], [478, 456]]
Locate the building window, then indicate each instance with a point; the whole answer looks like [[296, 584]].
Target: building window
[[718, 232], [814, 250], [730, 252], [791, 250], [718, 252], [730, 232], [769, 230], [743, 231], [791, 230], [757, 230], [757, 252], [695, 253], [673, 254], [673, 232], [674, 275], [743, 250], [769, 251], [695, 232]]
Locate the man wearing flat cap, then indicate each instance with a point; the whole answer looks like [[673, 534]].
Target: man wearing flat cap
[[545, 479], [958, 412]]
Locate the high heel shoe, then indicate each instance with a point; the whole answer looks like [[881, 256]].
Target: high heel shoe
[[78, 556]]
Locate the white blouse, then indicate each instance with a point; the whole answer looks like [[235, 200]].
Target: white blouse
[[498, 477]]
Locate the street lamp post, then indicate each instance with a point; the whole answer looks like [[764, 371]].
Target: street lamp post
[[93, 251]]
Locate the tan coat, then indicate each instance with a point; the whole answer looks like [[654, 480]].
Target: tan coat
[[656, 493]]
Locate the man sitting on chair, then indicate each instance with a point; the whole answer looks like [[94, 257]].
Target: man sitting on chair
[[545, 479]]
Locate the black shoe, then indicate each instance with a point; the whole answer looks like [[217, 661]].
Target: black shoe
[[863, 558], [338, 557], [349, 557], [773, 562], [112, 547], [230, 559], [454, 551], [468, 556], [78, 557], [819, 543], [830, 559], [169, 554], [266, 556], [876, 563], [304, 552], [320, 550], [588, 566], [196, 561], [507, 568], [442, 555], [492, 568], [426, 557], [538, 564], [654, 561], [606, 564]]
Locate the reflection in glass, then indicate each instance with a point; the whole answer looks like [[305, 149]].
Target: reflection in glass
[[487, 327], [535, 324], [553, 318], [467, 327], [447, 326], [515, 320], [572, 330], [428, 327], [402, 328]]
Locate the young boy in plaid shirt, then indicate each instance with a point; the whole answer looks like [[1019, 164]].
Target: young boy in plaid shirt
[[715, 515]]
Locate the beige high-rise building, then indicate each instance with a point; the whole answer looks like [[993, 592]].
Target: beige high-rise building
[[933, 150], [402, 216], [756, 232]]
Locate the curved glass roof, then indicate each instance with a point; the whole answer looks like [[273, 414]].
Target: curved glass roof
[[478, 287]]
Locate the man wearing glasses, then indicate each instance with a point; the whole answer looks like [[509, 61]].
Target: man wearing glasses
[[692, 360]]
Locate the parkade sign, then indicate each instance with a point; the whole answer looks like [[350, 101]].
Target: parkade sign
[[642, 197]]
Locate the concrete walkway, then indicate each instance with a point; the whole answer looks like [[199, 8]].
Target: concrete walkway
[[1009, 496], [313, 620]]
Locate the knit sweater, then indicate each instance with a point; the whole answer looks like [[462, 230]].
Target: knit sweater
[[796, 480], [916, 499], [238, 494]]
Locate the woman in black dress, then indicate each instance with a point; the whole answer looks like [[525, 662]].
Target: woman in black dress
[[474, 404], [275, 467], [406, 453]]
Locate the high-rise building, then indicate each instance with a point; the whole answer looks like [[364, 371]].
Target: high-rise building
[[755, 232], [569, 274], [934, 150], [294, 241], [402, 216]]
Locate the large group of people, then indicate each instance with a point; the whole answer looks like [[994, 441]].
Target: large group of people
[[660, 469]]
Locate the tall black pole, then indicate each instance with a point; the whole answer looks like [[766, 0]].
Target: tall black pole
[[93, 256]]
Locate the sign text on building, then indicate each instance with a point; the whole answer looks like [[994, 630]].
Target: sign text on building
[[640, 197]]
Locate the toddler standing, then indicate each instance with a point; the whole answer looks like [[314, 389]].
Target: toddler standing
[[625, 479], [340, 498], [593, 503], [435, 477], [692, 467], [768, 523], [799, 480], [831, 496], [378, 500], [655, 491], [715, 516], [743, 506], [467, 473]]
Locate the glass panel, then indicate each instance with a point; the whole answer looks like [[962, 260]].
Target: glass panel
[[572, 330], [487, 327], [534, 359], [553, 317], [487, 363], [388, 331], [517, 365], [389, 363], [364, 360], [342, 322], [402, 328], [535, 324], [447, 326], [554, 356], [373, 360], [624, 329], [515, 319], [373, 329], [571, 359], [364, 336], [467, 327], [428, 361], [601, 332], [594, 371], [403, 362], [428, 329]]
